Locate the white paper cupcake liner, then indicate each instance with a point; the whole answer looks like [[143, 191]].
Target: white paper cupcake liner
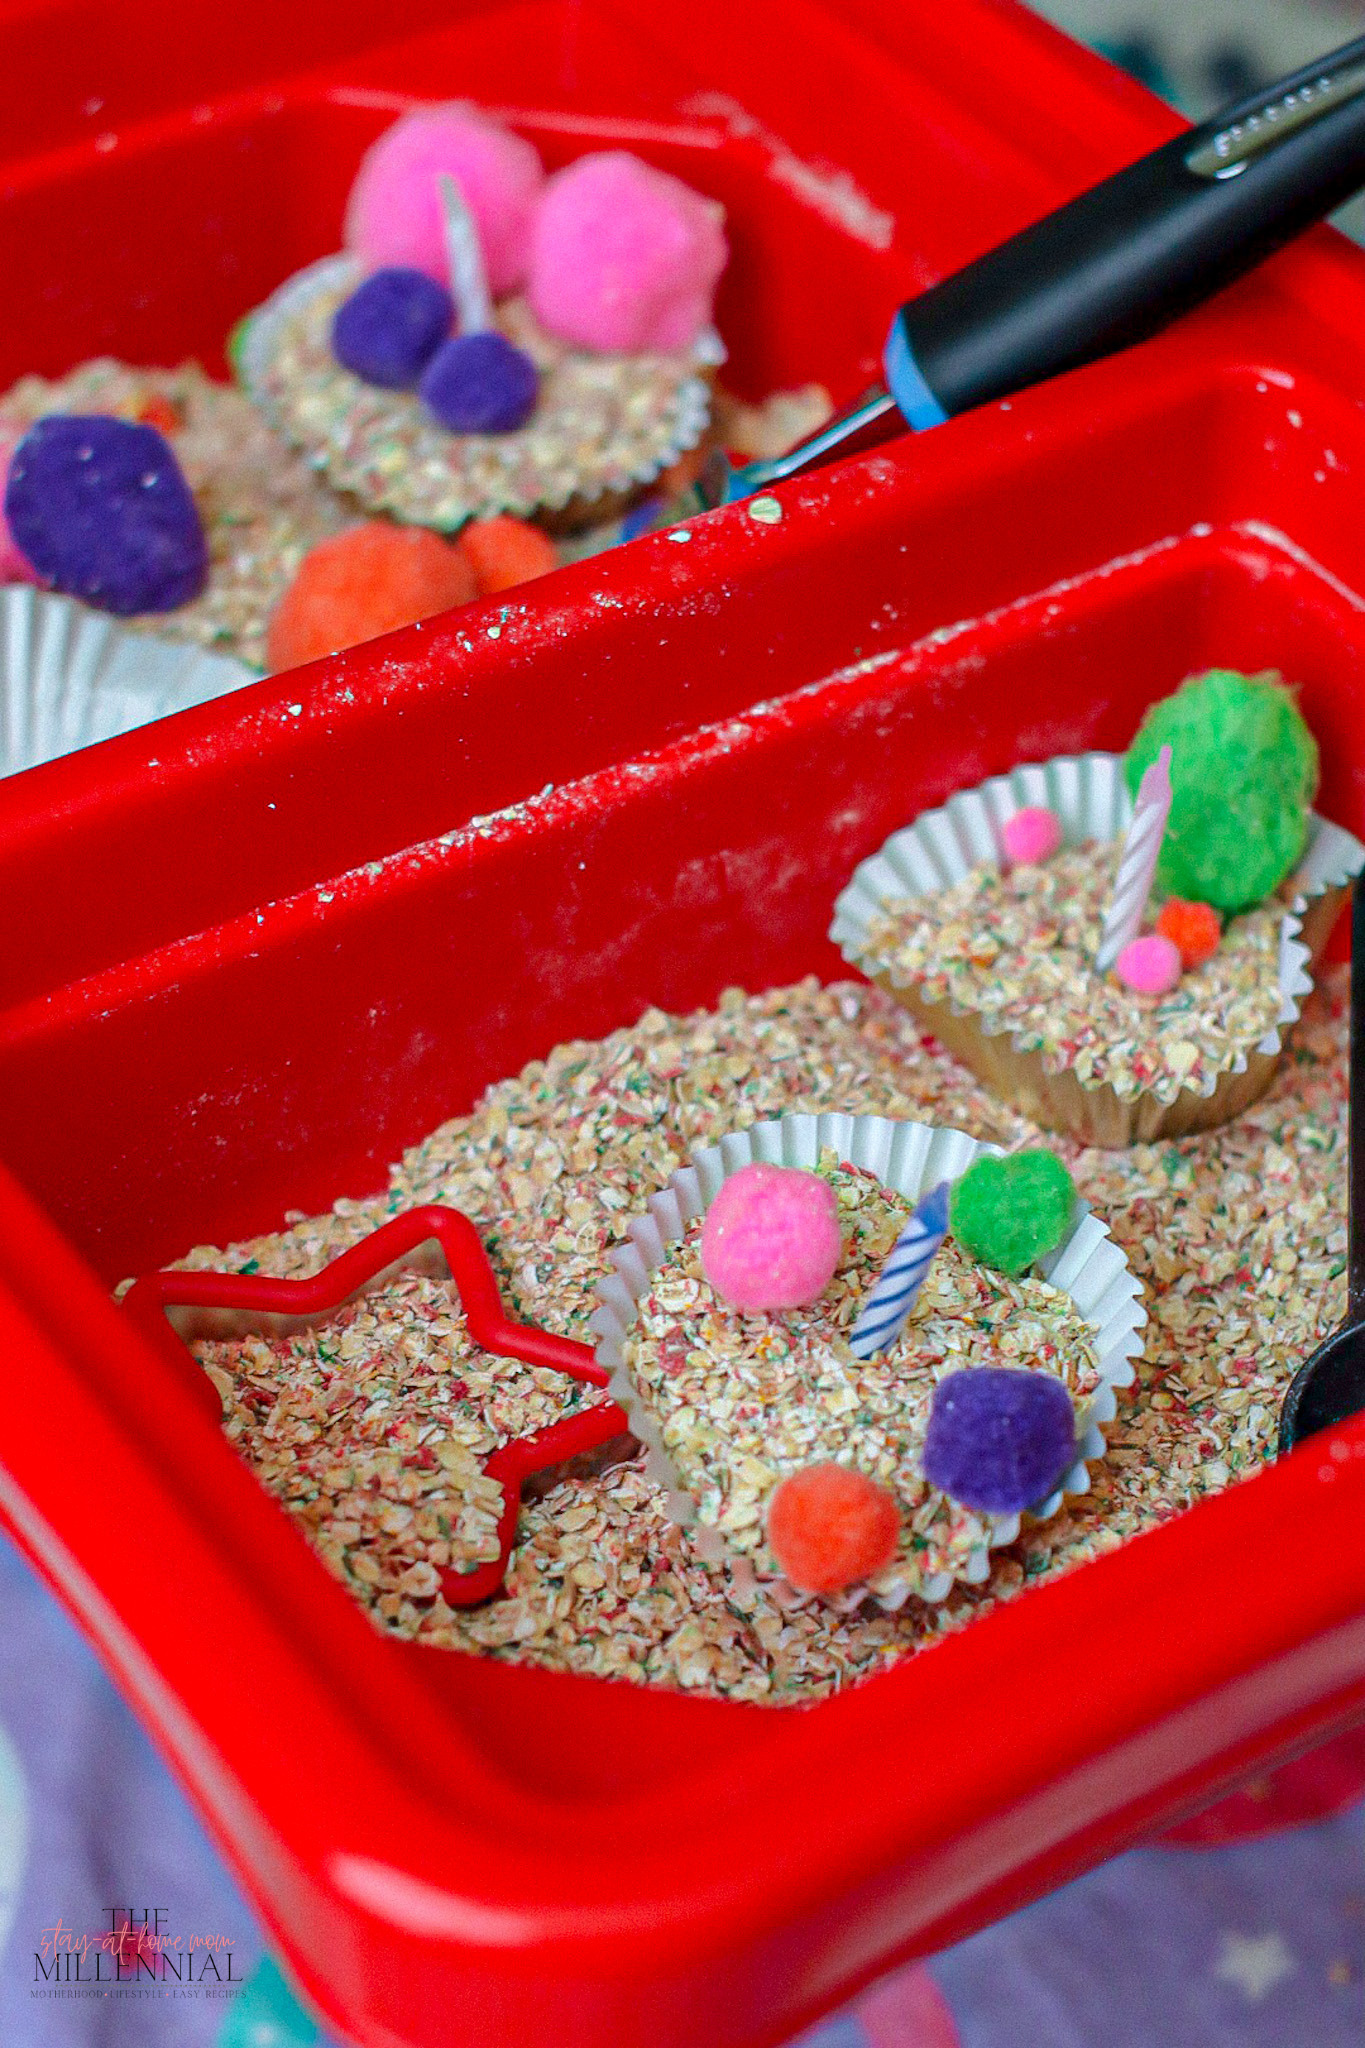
[[1091, 800], [908, 1158], [70, 676], [428, 485]]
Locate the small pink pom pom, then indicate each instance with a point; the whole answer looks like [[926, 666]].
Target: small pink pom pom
[[771, 1238], [1033, 834], [1149, 966], [14, 567], [623, 257], [394, 216]]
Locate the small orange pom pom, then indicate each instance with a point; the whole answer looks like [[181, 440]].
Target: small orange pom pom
[[506, 551], [366, 581], [829, 1526], [1194, 929], [158, 411]]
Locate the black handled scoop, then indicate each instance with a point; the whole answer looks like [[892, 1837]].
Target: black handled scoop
[[1330, 1385], [1108, 268]]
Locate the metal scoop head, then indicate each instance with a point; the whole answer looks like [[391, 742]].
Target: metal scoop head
[[875, 418]]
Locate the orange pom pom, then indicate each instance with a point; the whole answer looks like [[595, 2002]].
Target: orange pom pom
[[1194, 929], [366, 581], [506, 551], [829, 1525]]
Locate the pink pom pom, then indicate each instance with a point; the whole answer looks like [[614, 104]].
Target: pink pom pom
[[1033, 834], [14, 567], [623, 257], [1149, 966], [771, 1238], [394, 212]]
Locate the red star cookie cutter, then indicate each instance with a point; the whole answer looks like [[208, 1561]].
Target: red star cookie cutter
[[172, 1308]]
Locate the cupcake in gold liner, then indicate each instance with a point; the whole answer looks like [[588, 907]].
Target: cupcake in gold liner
[[1003, 960], [604, 428], [738, 1407]]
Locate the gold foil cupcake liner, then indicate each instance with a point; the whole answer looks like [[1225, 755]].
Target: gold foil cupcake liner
[[908, 1158], [1091, 800]]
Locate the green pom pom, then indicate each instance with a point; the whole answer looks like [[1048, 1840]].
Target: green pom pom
[[1244, 771], [235, 345], [1009, 1212]]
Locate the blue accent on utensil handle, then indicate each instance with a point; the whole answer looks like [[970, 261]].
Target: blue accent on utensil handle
[[906, 382], [1120, 261], [644, 517], [1110, 267]]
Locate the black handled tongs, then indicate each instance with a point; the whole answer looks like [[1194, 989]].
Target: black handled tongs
[[1109, 268]]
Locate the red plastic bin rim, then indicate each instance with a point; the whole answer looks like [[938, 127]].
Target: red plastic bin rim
[[991, 1623], [300, 752], [740, 1895], [1131, 1612]]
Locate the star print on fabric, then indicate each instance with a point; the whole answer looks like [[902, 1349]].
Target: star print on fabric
[[258, 1297], [1254, 1963]]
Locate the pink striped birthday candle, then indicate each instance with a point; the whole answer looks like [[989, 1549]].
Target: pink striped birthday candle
[[1137, 864]]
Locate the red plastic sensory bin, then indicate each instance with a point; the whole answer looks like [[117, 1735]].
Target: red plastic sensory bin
[[252, 952]]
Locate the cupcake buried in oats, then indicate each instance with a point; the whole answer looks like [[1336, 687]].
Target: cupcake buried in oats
[[1132, 972], [495, 341], [880, 1433]]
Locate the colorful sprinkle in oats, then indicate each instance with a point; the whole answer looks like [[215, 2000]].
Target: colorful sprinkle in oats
[[372, 1429]]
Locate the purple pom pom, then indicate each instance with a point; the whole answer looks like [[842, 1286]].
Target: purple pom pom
[[391, 326], [102, 511], [999, 1439], [480, 384]]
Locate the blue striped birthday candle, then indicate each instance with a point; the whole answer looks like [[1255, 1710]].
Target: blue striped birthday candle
[[883, 1314]]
